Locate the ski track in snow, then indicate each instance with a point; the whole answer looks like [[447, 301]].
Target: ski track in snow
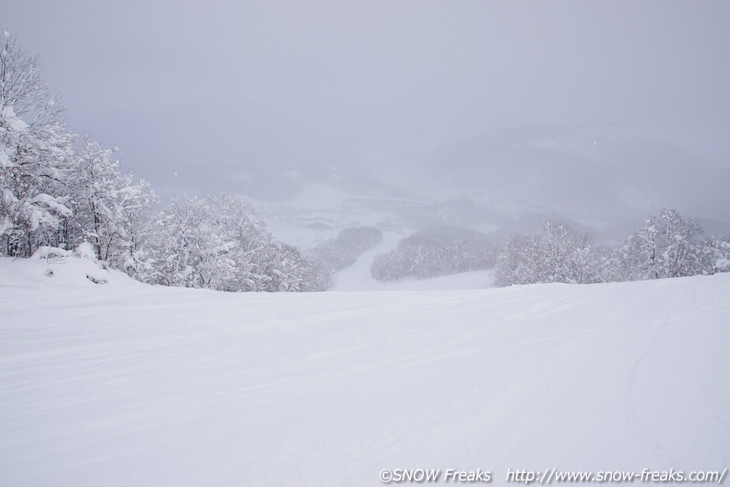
[[633, 419], [127, 384]]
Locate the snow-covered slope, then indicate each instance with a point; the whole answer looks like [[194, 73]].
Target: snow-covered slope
[[357, 277], [126, 384]]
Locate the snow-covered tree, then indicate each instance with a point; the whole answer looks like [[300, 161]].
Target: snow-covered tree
[[185, 246], [342, 251], [715, 256], [135, 199], [436, 251], [220, 243], [95, 182], [563, 254], [666, 245], [52, 195], [109, 207], [516, 261], [35, 154], [557, 253]]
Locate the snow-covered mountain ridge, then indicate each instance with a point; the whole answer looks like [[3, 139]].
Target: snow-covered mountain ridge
[[606, 179]]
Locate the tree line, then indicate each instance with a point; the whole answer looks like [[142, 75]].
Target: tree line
[[666, 245], [436, 251], [59, 191]]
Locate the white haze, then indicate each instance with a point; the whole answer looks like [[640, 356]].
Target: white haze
[[505, 112]]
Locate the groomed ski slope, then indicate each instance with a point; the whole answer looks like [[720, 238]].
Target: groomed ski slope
[[124, 384]]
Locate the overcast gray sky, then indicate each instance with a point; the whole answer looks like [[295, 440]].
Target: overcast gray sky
[[182, 86]]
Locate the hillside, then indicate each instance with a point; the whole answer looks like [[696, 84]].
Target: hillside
[[605, 179], [127, 384]]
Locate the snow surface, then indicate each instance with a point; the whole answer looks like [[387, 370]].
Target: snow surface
[[126, 384]]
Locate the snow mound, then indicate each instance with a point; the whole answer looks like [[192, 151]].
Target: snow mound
[[51, 267]]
